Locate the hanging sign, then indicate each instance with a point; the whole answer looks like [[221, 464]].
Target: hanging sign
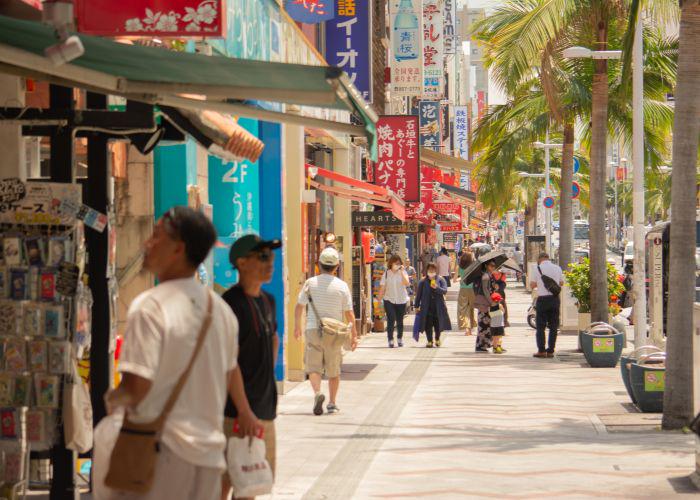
[[449, 26], [433, 49], [451, 227], [429, 114], [150, 18], [398, 163], [448, 208], [364, 219], [461, 132], [405, 55], [348, 43], [311, 11], [41, 204]]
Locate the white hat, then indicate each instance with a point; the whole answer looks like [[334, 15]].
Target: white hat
[[329, 257]]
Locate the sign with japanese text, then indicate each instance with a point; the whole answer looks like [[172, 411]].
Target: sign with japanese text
[[406, 53], [481, 103], [448, 208], [433, 49], [348, 43], [461, 132], [445, 129], [429, 116], [149, 18], [452, 227], [398, 163], [423, 210], [449, 26], [378, 218], [42, 204], [407, 227], [311, 11]]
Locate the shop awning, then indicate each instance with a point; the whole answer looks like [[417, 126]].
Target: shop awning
[[457, 192], [357, 190], [158, 76], [444, 162]]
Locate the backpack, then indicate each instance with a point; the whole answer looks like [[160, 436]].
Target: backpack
[[549, 283]]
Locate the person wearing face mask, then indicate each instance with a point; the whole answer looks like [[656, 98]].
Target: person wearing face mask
[[392, 289], [430, 304]]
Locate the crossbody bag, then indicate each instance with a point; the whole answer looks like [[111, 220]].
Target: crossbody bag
[[549, 283], [330, 326], [133, 460]]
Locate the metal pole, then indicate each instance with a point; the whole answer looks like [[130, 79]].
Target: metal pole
[[548, 211], [638, 283], [616, 236]]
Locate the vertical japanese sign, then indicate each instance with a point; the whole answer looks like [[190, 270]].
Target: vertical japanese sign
[[429, 115], [405, 59], [433, 53], [423, 210], [310, 11], [397, 167], [348, 43], [234, 193], [449, 26], [445, 127], [461, 131]]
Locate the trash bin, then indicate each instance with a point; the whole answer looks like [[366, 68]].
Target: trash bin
[[648, 383], [625, 364], [602, 345]]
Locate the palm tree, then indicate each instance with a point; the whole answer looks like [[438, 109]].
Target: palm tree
[[530, 35], [678, 396]]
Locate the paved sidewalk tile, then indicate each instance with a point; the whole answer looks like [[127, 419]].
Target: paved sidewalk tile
[[452, 423]]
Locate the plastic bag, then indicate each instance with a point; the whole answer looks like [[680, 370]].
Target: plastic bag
[[105, 437], [77, 413], [248, 469]]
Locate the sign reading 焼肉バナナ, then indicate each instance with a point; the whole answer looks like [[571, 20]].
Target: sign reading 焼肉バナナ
[[364, 219], [348, 43], [181, 18], [397, 167]]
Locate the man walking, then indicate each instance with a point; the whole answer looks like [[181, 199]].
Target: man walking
[[548, 305], [163, 327], [258, 342], [330, 296], [443, 265]]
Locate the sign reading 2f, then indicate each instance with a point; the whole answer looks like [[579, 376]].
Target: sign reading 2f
[[236, 174]]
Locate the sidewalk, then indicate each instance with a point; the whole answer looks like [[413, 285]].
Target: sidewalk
[[451, 423]]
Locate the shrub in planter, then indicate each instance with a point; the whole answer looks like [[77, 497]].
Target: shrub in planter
[[578, 278]]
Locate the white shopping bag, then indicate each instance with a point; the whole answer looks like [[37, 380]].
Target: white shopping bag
[[248, 469], [105, 437]]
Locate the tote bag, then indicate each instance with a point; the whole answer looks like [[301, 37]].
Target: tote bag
[[248, 469]]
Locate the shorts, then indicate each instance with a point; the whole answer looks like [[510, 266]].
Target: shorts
[[497, 331], [268, 436], [323, 355]]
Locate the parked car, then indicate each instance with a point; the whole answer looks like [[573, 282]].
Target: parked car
[[628, 255]]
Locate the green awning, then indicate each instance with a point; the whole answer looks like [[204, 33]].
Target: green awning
[[155, 75]]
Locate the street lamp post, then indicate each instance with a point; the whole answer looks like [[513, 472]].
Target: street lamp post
[[548, 211], [616, 227]]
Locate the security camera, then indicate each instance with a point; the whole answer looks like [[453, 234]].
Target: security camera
[[65, 51]]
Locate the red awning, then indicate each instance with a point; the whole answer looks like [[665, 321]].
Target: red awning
[[356, 191]]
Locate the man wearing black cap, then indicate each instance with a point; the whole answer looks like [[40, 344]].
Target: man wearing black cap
[[254, 259]]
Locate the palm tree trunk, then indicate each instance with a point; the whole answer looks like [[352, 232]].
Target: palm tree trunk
[[566, 216], [599, 131], [678, 396]]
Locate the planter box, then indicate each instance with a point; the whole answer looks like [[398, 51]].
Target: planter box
[[648, 384], [625, 373], [602, 351], [584, 321]]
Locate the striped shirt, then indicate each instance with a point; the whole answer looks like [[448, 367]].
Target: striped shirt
[[330, 295]]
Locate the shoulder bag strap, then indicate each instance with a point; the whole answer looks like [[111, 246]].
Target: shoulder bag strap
[[170, 403], [313, 306], [540, 270]]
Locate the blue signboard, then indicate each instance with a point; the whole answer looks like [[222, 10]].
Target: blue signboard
[[348, 43], [429, 123], [311, 11]]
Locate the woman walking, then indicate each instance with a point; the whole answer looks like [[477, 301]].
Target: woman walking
[[483, 288], [430, 302], [392, 289], [465, 300]]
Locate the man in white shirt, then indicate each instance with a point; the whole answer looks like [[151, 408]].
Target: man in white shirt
[[331, 297], [547, 306], [162, 329], [443, 265]]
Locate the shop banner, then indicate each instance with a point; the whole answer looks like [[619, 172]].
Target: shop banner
[[378, 218], [448, 208], [405, 56], [429, 115], [423, 210], [461, 131], [433, 49], [348, 43], [313, 11], [39, 203], [150, 18], [451, 227], [450, 17], [397, 167]]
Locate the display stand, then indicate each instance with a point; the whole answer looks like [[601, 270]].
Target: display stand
[[41, 261]]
